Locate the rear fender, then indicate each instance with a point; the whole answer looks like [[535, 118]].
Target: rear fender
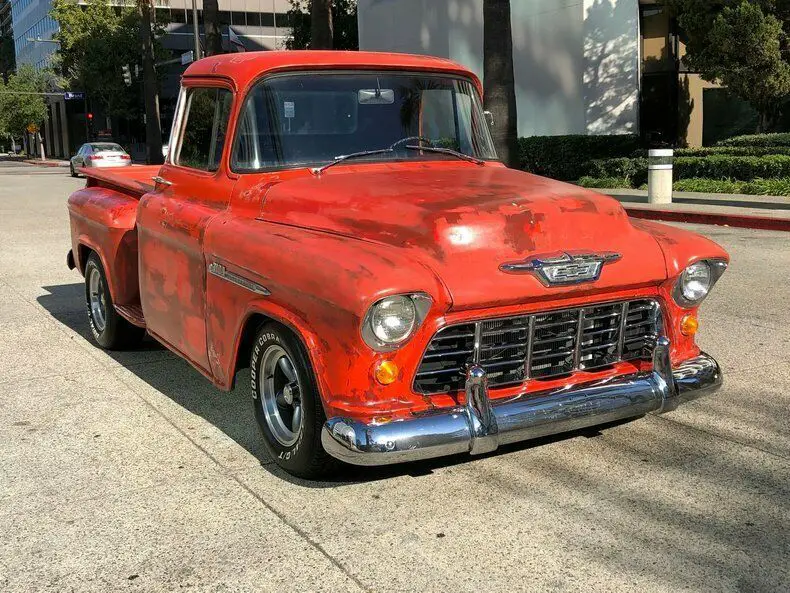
[[103, 220]]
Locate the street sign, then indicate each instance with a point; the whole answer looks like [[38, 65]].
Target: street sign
[[73, 95], [187, 57]]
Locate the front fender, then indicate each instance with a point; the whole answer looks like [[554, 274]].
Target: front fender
[[681, 248], [321, 285]]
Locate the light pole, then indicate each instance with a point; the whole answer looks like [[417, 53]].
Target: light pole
[[196, 29]]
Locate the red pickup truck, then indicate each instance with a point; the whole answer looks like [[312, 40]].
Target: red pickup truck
[[339, 222]]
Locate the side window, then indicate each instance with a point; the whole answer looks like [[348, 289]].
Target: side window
[[204, 128]]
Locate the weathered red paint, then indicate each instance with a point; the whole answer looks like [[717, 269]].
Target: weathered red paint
[[327, 247]]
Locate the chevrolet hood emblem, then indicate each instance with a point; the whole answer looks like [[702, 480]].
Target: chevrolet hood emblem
[[561, 269]]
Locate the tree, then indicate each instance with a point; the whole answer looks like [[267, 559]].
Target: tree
[[153, 125], [21, 100], [321, 24], [499, 83], [343, 25], [97, 40], [212, 28], [742, 44]]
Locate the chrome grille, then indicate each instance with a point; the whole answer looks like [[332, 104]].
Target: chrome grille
[[540, 346]]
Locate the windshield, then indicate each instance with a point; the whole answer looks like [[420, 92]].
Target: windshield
[[312, 119]]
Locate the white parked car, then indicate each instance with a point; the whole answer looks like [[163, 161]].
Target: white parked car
[[99, 154]]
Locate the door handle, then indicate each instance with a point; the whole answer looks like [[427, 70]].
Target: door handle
[[161, 180]]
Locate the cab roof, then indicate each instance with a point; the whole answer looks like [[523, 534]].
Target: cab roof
[[244, 68]]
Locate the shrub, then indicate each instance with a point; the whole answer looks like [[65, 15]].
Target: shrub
[[741, 168], [757, 187], [733, 150], [604, 182], [711, 186], [782, 139], [716, 166], [567, 157], [632, 169], [768, 187]]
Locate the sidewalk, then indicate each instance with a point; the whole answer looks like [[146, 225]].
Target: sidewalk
[[736, 210]]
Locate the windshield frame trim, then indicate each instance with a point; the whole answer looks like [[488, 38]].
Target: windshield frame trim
[[271, 75]]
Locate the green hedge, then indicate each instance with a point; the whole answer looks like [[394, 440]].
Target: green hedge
[[782, 139], [732, 151], [604, 182], [635, 170], [567, 157], [740, 168], [757, 187]]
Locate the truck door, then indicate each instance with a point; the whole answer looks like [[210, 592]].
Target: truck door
[[191, 189]]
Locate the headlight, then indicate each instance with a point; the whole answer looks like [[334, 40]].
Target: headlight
[[696, 281], [392, 320]]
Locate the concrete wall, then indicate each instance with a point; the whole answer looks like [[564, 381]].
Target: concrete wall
[[576, 62]]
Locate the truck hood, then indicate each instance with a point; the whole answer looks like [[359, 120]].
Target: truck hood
[[465, 221]]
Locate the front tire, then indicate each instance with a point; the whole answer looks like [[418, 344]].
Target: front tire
[[71, 168], [109, 329], [287, 405]]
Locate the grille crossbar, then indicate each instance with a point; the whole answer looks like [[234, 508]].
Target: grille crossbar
[[540, 346]]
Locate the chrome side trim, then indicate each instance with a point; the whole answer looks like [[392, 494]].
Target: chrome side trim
[[480, 426], [221, 271]]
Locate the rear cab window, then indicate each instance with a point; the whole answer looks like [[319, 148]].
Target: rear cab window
[[204, 128]]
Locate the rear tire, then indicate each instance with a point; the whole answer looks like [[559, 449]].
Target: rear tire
[[287, 405], [109, 329]]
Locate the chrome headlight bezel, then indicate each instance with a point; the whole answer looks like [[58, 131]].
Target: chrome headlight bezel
[[716, 268], [421, 303]]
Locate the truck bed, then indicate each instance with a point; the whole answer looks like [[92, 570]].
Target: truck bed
[[134, 181]]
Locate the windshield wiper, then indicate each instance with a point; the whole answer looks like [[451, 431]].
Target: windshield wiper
[[391, 148], [450, 151], [343, 157]]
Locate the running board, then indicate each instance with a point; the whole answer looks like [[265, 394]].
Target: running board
[[132, 313]]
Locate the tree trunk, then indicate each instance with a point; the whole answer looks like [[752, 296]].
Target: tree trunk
[[212, 27], [321, 24], [498, 81], [153, 125], [767, 120]]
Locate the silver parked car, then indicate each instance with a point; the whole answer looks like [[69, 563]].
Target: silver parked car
[[99, 154]]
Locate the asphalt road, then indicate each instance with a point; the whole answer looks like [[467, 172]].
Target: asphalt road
[[128, 471]]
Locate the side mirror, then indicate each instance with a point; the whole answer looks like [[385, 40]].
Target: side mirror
[[489, 118]]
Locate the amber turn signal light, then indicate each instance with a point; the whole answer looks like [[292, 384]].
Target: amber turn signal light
[[386, 372], [689, 325]]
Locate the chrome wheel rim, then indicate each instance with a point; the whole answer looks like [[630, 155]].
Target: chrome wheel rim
[[281, 396], [96, 301]]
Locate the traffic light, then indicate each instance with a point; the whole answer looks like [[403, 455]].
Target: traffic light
[[90, 117], [127, 75]]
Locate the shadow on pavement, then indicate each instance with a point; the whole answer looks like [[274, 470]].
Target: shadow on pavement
[[231, 412]]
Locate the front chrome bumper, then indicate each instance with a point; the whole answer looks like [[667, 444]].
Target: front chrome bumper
[[482, 425]]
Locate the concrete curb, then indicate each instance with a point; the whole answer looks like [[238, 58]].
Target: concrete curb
[[716, 218], [41, 163]]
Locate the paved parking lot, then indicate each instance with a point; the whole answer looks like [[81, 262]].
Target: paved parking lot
[[128, 471]]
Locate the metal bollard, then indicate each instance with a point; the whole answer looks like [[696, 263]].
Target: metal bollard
[[659, 176]]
